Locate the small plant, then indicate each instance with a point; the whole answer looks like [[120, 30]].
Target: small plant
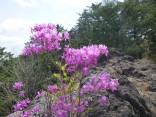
[[146, 46], [134, 50], [69, 97]]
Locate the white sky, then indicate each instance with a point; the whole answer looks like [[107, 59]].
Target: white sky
[[16, 17]]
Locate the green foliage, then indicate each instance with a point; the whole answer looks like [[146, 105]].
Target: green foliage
[[146, 46], [7, 97], [150, 51], [6, 58], [35, 71], [153, 52], [135, 50], [124, 25], [98, 24], [64, 77]]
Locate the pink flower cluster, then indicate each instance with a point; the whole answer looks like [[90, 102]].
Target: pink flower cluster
[[17, 85], [67, 104], [100, 83], [26, 114], [36, 108], [83, 58], [45, 38], [21, 104], [103, 99], [40, 94], [52, 88]]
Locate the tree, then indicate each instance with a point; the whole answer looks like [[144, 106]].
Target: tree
[[100, 24], [123, 25], [6, 59]]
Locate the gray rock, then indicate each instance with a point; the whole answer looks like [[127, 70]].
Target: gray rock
[[124, 102], [152, 87], [129, 58], [115, 52]]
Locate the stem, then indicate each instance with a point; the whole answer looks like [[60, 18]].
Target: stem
[[79, 95], [79, 91], [58, 67]]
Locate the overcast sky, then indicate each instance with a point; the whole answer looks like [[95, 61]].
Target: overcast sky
[[17, 16]]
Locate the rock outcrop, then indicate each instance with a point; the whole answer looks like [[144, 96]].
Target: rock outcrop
[[136, 93]]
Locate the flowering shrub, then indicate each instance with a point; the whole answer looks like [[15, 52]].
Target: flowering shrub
[[69, 97], [45, 38], [84, 58]]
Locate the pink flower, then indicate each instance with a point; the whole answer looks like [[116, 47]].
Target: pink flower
[[17, 85], [103, 99], [58, 105], [68, 107], [83, 58], [21, 104], [18, 106], [70, 69], [87, 87], [61, 113], [85, 103], [59, 36], [62, 98], [73, 99], [103, 49], [104, 76], [9, 115], [80, 108], [66, 35], [25, 114], [100, 83], [45, 115], [113, 83], [40, 94], [85, 70], [22, 93], [36, 108], [27, 100], [51, 26], [45, 38], [52, 88]]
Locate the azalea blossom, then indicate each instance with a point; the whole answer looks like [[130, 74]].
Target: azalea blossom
[[83, 58], [66, 35], [17, 85], [113, 83], [21, 93], [62, 113], [40, 94], [103, 99], [52, 88], [36, 108], [21, 104], [45, 37], [25, 114]]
